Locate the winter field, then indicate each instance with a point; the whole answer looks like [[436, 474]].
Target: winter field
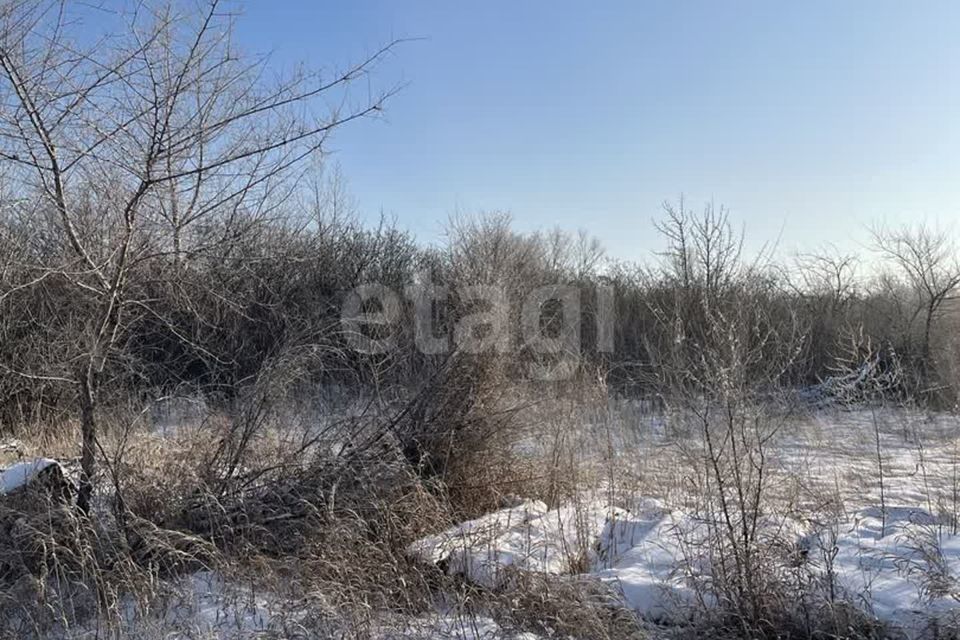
[[859, 514], [896, 563]]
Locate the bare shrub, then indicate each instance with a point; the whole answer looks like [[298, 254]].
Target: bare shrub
[[719, 373], [459, 431]]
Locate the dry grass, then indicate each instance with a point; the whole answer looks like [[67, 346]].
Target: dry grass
[[565, 607], [319, 535]]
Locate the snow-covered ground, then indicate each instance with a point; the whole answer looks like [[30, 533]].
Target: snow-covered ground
[[899, 563], [894, 553], [205, 606]]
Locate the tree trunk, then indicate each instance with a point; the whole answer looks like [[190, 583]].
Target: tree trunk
[[928, 325], [88, 431]]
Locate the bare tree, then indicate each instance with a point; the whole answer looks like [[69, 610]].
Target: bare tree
[[825, 284], [135, 139], [828, 274], [927, 259], [720, 350], [704, 252], [577, 256]]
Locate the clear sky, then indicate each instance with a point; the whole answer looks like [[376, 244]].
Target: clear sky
[[808, 120]]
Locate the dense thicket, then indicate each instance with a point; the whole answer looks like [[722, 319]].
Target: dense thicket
[[210, 321], [161, 230]]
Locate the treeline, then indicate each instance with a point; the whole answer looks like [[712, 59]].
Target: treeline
[[161, 232], [208, 318]]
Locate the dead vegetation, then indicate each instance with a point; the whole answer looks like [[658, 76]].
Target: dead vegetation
[[157, 241]]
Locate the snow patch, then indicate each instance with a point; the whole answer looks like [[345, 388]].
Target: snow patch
[[528, 537], [882, 564], [22, 473]]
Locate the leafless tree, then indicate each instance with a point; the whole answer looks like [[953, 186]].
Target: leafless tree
[[927, 260], [830, 274], [720, 351], [135, 139], [703, 250], [826, 286], [576, 255]]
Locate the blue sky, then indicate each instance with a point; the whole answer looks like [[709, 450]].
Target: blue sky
[[808, 120]]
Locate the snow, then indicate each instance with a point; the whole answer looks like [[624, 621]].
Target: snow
[[473, 533], [528, 537], [23, 473], [887, 572], [632, 550], [640, 553], [207, 604], [900, 564]]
